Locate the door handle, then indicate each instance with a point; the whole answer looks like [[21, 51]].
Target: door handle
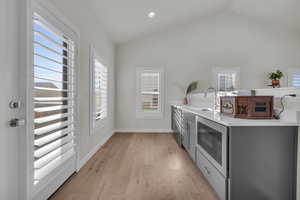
[[16, 122]]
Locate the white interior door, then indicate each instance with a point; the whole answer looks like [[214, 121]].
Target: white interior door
[[37, 72], [52, 101]]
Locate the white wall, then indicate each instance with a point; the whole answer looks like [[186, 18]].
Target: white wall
[[91, 32], [190, 52], [298, 162]]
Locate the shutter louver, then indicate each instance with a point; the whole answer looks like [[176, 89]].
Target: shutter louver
[[296, 80], [100, 85], [226, 81], [53, 98], [150, 91]]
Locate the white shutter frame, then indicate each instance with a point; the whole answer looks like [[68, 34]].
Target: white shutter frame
[[159, 114], [225, 70], [70, 160], [294, 73], [50, 183], [94, 123]]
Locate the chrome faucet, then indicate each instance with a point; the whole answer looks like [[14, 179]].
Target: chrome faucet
[[210, 90]]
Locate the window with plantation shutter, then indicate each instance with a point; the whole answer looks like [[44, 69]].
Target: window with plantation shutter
[[149, 92], [100, 90], [296, 80], [53, 98], [294, 77], [226, 79]]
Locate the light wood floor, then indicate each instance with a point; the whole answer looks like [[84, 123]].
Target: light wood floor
[[138, 167]]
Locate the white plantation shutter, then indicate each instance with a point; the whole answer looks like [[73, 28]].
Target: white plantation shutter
[[226, 81], [53, 100], [150, 91], [150, 83], [100, 86], [296, 80], [294, 77]]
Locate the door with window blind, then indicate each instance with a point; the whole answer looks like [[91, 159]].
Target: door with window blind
[[53, 105]]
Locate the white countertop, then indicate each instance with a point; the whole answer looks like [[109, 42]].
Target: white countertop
[[230, 121]]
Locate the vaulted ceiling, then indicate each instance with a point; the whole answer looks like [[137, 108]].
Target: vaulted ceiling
[[126, 20], [281, 12]]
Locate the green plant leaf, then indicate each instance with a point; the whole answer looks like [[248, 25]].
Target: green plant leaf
[[276, 75]]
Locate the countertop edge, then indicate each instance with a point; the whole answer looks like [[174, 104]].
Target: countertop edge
[[235, 122]]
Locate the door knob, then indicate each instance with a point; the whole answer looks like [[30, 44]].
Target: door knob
[[14, 104], [16, 122]]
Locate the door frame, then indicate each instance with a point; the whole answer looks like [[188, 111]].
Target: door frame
[[26, 9]]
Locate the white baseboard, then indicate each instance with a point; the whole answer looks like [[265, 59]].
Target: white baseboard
[[87, 157], [143, 131]]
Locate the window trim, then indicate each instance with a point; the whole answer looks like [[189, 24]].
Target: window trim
[[291, 72], [218, 70], [151, 115], [94, 122]]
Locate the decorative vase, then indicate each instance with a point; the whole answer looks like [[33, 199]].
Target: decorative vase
[[276, 83]]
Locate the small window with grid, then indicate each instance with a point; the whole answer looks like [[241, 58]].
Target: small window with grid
[[149, 92]]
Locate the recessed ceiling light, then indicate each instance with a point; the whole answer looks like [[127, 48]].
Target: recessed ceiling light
[[151, 14]]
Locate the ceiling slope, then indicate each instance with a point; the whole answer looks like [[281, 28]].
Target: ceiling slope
[[127, 20]]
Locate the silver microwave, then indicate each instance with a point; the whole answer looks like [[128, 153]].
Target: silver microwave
[[212, 143]]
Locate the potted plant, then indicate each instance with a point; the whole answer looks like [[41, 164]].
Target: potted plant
[[275, 77], [192, 86]]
